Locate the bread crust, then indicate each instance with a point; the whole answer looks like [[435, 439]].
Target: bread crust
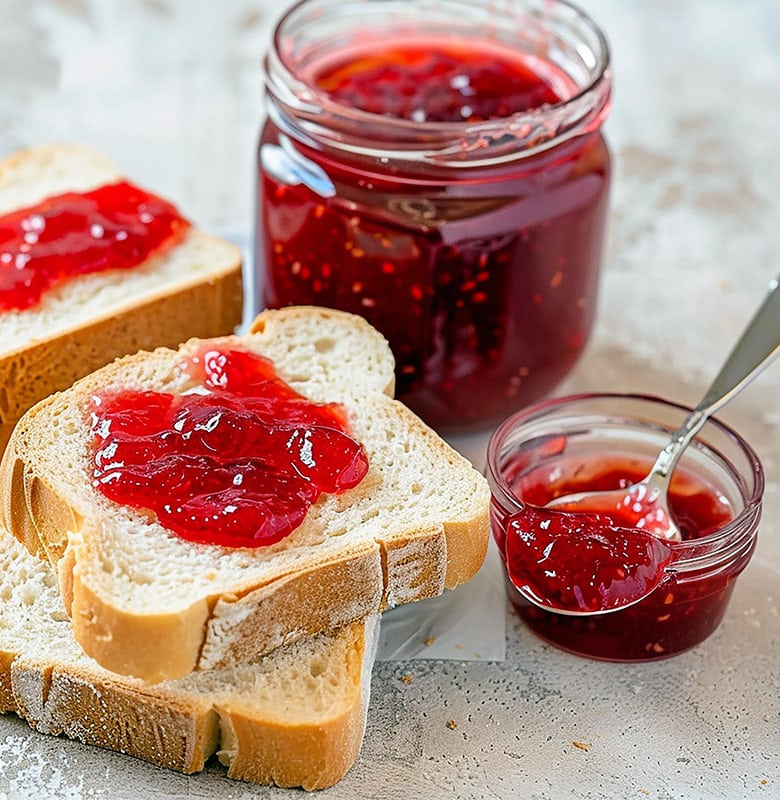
[[181, 731], [316, 755], [170, 731], [313, 753]]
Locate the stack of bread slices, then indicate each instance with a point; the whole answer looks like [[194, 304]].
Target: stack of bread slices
[[116, 631]]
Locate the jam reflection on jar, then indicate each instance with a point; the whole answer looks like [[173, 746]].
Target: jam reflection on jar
[[594, 442], [446, 184]]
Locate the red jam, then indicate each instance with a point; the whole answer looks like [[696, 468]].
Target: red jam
[[116, 226], [443, 83], [681, 612], [237, 464], [483, 278], [582, 562]]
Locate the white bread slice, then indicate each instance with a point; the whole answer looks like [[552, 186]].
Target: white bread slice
[[147, 603], [294, 718], [192, 289]]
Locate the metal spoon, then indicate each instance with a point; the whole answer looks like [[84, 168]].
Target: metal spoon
[[643, 505]]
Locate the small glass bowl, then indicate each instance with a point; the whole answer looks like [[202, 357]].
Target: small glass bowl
[[565, 444]]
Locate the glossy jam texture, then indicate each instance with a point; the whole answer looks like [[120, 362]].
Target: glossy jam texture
[[581, 562], [116, 226], [483, 279], [440, 83], [680, 613], [237, 463]]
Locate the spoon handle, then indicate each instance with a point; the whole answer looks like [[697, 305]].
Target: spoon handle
[[758, 346], [755, 350]]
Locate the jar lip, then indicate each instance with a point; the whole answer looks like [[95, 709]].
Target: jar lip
[[686, 550], [450, 143]]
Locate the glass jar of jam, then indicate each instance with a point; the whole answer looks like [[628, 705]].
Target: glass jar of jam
[[591, 442], [438, 167]]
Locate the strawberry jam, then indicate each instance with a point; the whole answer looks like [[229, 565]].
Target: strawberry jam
[[443, 83], [652, 598], [116, 226], [444, 188], [236, 463], [582, 562]]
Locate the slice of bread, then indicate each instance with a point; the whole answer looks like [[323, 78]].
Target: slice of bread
[[145, 602], [192, 289], [294, 718]]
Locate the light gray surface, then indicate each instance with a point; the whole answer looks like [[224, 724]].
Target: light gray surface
[[171, 91]]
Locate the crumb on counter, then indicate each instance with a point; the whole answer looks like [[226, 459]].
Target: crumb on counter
[[581, 746]]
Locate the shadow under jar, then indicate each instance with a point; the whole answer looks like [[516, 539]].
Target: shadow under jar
[[438, 167], [608, 441]]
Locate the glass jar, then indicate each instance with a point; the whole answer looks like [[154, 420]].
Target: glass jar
[[474, 245], [607, 440]]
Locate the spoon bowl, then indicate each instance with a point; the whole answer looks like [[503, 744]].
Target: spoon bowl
[[581, 563]]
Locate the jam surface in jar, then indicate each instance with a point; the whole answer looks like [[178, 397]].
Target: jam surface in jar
[[116, 226], [483, 278], [237, 463], [437, 82], [680, 613]]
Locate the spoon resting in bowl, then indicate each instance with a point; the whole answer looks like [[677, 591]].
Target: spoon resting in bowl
[[643, 505], [594, 552]]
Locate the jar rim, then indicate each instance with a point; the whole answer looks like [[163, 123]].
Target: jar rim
[[689, 554], [483, 143]]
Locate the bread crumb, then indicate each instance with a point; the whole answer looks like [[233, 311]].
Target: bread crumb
[[451, 724], [407, 678], [581, 746], [429, 641]]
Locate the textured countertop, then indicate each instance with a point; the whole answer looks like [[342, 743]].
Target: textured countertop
[[171, 90]]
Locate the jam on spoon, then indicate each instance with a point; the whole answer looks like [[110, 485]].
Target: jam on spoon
[[582, 563]]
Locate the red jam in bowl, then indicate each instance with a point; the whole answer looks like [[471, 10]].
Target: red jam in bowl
[[482, 276], [116, 226], [654, 598], [237, 463]]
